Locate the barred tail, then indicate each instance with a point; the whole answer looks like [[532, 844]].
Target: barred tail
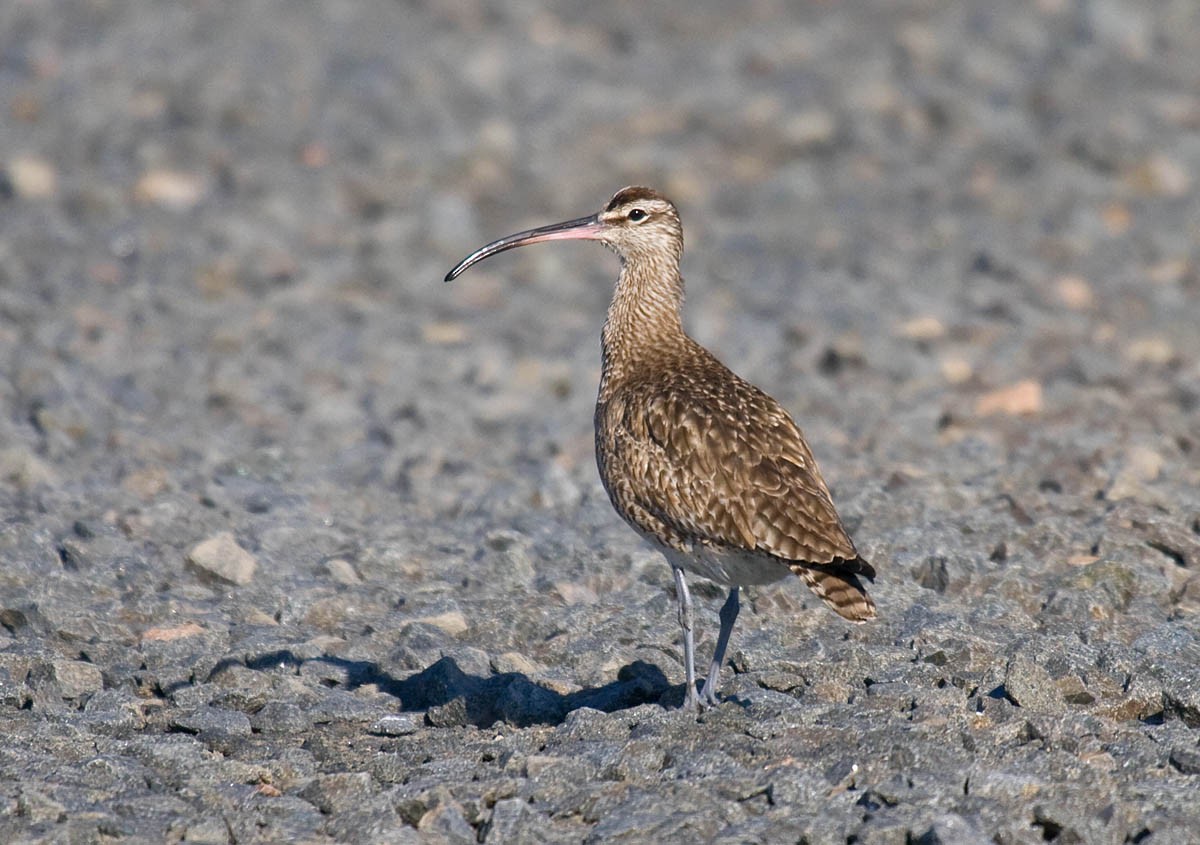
[[838, 586]]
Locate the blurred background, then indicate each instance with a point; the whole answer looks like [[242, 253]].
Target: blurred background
[[221, 190]]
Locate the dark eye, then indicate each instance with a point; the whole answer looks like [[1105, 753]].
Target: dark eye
[[636, 215]]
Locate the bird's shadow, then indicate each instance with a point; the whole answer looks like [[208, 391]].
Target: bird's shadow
[[450, 696]]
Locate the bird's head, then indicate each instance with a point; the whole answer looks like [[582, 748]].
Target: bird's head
[[637, 223]]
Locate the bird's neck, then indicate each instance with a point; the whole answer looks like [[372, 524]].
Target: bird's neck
[[644, 319]]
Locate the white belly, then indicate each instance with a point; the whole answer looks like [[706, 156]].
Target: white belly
[[731, 568]]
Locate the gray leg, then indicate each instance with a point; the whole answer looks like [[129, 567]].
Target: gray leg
[[684, 598], [729, 613]]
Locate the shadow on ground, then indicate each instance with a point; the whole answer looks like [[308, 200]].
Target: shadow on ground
[[452, 697]]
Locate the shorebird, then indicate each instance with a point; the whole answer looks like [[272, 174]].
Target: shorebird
[[707, 467]]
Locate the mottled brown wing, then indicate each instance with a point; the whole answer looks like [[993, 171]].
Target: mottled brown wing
[[728, 466]]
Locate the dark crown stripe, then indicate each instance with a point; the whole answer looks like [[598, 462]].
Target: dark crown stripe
[[632, 194]]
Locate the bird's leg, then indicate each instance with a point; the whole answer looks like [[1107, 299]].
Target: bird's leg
[[684, 598], [729, 614]]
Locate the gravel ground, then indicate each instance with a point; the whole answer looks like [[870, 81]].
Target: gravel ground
[[300, 544]]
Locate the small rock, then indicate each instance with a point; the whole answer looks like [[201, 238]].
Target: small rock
[[1150, 350], [640, 760], [342, 572], [956, 370], [444, 333], [781, 681], [222, 558], [537, 765], [452, 622], [474, 662], [1142, 466], [335, 793], [1144, 463], [1028, 684], [573, 593], [399, 724], [1074, 292], [338, 705], [452, 714], [187, 629], [281, 717], [924, 328], [446, 823], [76, 678], [813, 128], [33, 177], [146, 483], [1170, 271], [205, 720], [176, 190], [207, 830], [1161, 175], [505, 821], [1023, 398], [14, 693], [513, 661], [24, 469]]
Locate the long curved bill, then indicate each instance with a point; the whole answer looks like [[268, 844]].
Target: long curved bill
[[586, 228]]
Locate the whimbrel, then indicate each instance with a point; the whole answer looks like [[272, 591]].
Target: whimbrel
[[703, 464]]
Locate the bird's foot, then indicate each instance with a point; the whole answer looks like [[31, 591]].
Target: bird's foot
[[698, 703]]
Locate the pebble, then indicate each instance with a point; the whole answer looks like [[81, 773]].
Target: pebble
[[281, 717], [175, 632], [810, 129], [205, 720], [444, 333], [956, 370], [335, 793], [1142, 465], [26, 470], [77, 679], [175, 190], [1021, 399], [33, 177], [146, 483], [1075, 292], [342, 572], [1150, 350], [452, 714], [924, 328], [399, 724], [1161, 175], [514, 661], [452, 622], [221, 557], [504, 825], [446, 824]]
